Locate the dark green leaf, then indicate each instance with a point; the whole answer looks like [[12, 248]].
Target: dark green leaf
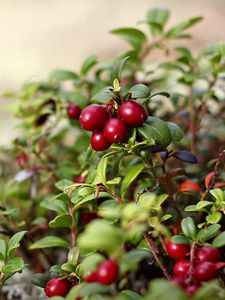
[[117, 68], [49, 242], [188, 227], [133, 36], [208, 232], [89, 62], [52, 203], [175, 131], [40, 279], [178, 29], [165, 94], [14, 243], [180, 239], [61, 221], [219, 241], [103, 96], [139, 91]]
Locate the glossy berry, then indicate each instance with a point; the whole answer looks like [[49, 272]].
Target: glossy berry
[[115, 130], [107, 272], [80, 179], [180, 281], [57, 287], [205, 271], [99, 142], [92, 277], [177, 251], [207, 253], [93, 117], [73, 111], [192, 289], [132, 113], [181, 267]]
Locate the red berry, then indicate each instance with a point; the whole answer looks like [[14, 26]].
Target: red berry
[[80, 179], [132, 113], [176, 280], [177, 251], [99, 142], [107, 272], [93, 117], [205, 271], [73, 111], [181, 267], [92, 277], [192, 289], [115, 130], [57, 287], [207, 253], [21, 159]]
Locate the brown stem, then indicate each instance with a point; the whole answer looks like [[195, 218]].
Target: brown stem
[[192, 260], [155, 253]]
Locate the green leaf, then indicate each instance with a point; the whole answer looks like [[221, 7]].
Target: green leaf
[[165, 94], [208, 232], [2, 249], [16, 264], [49, 242], [52, 203], [80, 201], [171, 67], [99, 235], [186, 56], [191, 208], [61, 221], [89, 62], [219, 240], [180, 239], [175, 131], [101, 171], [136, 255], [214, 217], [203, 203], [133, 36], [178, 29], [40, 279], [157, 130], [139, 91], [131, 174], [60, 75], [188, 227], [117, 68], [218, 194], [90, 264], [63, 184], [157, 18], [132, 295], [103, 95], [14, 243]]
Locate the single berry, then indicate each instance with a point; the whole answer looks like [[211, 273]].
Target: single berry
[[107, 272], [73, 111], [99, 142], [205, 271], [80, 179], [21, 159], [115, 130], [93, 117], [207, 253], [180, 281], [181, 267], [92, 277], [132, 113], [192, 289], [177, 251], [57, 287]]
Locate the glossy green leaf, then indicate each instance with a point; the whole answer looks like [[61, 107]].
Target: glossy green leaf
[[103, 96], [131, 174], [208, 232], [63, 184], [101, 171], [175, 131], [80, 201], [40, 279], [89, 62], [203, 203], [218, 194], [61, 221], [49, 242], [133, 36], [52, 203], [2, 249], [188, 227], [219, 240], [117, 68], [176, 30], [14, 265], [14, 243], [180, 239], [214, 217], [139, 91]]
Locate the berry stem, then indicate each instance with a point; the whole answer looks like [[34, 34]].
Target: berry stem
[[155, 251], [192, 260]]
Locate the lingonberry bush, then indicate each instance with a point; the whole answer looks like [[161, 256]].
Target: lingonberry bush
[[114, 187]]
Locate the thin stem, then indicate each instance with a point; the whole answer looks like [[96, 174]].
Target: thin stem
[[192, 259], [192, 122], [73, 231], [155, 252]]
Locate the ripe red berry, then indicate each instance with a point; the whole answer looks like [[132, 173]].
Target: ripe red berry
[[93, 117], [177, 251], [107, 272], [99, 142], [207, 253], [192, 289], [180, 281], [73, 111], [115, 130], [132, 113], [57, 287], [205, 271], [92, 277], [181, 267], [80, 179]]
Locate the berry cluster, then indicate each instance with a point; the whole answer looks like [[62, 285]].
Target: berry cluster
[[189, 275], [110, 125], [106, 273]]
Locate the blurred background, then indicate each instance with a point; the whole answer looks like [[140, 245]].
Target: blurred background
[[38, 36]]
